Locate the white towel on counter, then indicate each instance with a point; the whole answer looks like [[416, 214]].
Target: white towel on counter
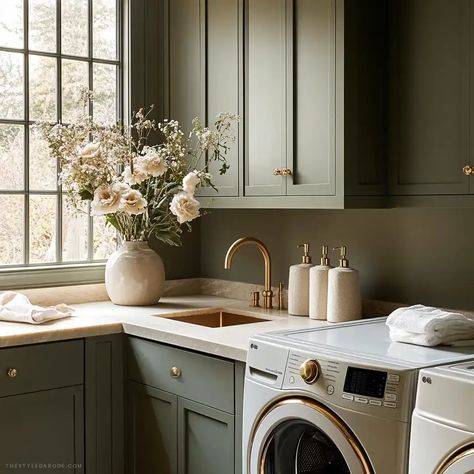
[[17, 308], [426, 326]]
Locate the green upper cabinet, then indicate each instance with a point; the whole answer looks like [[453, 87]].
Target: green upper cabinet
[[431, 53], [202, 64], [344, 103], [265, 96]]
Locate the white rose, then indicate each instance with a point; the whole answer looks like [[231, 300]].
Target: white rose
[[152, 163], [137, 177], [107, 199], [185, 207], [190, 181], [89, 153], [133, 202]]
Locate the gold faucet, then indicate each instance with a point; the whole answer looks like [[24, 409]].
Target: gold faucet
[[267, 292]]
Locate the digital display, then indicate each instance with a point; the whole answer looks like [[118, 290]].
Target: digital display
[[370, 383]]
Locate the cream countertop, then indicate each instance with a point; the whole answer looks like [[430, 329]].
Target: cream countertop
[[103, 317]]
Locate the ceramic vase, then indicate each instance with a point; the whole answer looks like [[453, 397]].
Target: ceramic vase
[[134, 275]]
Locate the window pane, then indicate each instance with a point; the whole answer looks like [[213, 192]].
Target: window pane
[[43, 229], [11, 156], [75, 233], [42, 25], [42, 88], [43, 167], [105, 93], [75, 78], [105, 239], [104, 29], [11, 85], [11, 23], [74, 27], [11, 229]]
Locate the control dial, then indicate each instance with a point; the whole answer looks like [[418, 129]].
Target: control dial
[[310, 371]]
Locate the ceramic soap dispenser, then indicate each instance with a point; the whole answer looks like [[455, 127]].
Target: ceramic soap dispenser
[[318, 287], [344, 300], [298, 285]]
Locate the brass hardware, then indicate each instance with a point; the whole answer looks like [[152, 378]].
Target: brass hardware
[[324, 256], [306, 257], [12, 373], [309, 371], [468, 170], [331, 416], [267, 292], [175, 372], [280, 296], [256, 299], [343, 262], [282, 172]]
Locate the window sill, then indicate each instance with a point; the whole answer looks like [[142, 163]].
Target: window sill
[[54, 275]]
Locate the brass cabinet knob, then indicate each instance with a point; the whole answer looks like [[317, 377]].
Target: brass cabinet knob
[[468, 170], [175, 372], [309, 371], [277, 172], [12, 373], [286, 172]]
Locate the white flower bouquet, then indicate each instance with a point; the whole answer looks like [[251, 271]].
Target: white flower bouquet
[[142, 190]]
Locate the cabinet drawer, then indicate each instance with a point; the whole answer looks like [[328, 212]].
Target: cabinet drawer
[[41, 367], [201, 378]]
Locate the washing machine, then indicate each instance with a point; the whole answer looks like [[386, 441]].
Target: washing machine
[[334, 399], [442, 432]]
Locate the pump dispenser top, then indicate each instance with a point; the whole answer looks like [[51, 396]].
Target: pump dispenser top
[[343, 262], [306, 258]]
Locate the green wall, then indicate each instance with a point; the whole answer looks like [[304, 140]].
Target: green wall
[[404, 255]]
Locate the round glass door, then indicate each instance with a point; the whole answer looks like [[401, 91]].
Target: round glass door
[[461, 462], [301, 436], [299, 447]]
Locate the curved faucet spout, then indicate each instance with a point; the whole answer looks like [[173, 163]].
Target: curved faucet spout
[[267, 293]]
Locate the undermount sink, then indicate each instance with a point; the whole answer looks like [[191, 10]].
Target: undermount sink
[[216, 319]]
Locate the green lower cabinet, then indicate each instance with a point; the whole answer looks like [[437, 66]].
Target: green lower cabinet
[[43, 431], [205, 439], [152, 430]]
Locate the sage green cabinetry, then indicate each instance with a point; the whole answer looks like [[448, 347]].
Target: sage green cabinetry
[[431, 125], [202, 71], [184, 411], [42, 408]]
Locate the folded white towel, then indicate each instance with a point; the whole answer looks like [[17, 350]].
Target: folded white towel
[[428, 326], [17, 308]]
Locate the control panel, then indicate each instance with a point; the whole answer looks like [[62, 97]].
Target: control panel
[[361, 388]]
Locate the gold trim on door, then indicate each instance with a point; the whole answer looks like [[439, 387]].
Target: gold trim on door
[[332, 417], [455, 456]]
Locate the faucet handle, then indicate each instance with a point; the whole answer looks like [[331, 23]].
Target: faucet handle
[[255, 299]]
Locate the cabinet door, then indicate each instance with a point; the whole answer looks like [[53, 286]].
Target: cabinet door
[[152, 430], [429, 96], [205, 439], [42, 428], [265, 96], [311, 97], [221, 24]]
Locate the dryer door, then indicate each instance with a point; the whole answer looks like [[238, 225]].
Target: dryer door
[[460, 462], [300, 436]]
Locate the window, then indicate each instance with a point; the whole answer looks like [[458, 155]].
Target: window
[[49, 51]]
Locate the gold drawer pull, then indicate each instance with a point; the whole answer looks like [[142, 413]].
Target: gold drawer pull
[[286, 172], [468, 170], [12, 373], [277, 172], [175, 372]]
